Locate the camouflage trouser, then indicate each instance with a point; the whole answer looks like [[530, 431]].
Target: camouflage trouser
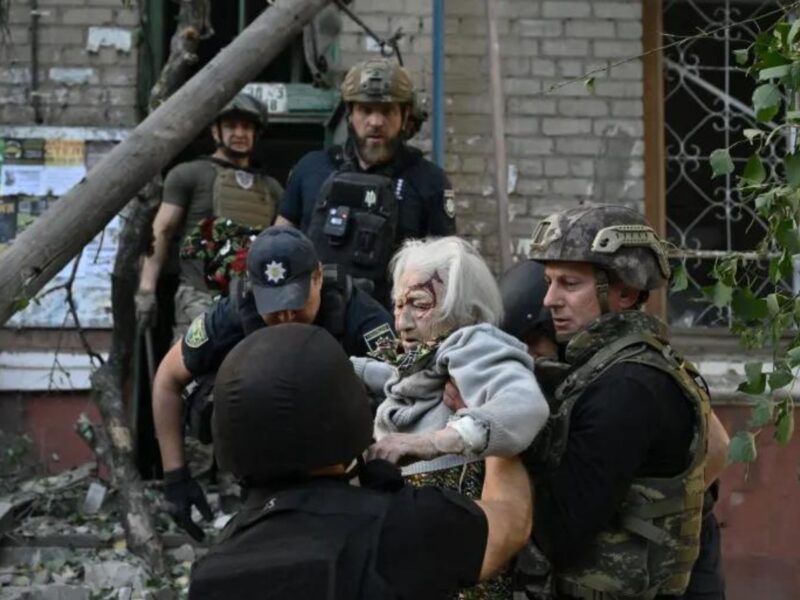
[[189, 302]]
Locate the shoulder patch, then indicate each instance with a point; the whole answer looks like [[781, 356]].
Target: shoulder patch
[[374, 336], [450, 203], [196, 335]]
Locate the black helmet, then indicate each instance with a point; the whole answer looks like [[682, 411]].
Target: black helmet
[[286, 401], [523, 289], [247, 106]]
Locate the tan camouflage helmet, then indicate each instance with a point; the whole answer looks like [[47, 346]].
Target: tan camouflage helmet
[[378, 80], [614, 238]]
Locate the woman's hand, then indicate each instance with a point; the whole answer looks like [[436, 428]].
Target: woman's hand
[[406, 448]]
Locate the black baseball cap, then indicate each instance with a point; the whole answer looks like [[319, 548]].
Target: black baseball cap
[[280, 263], [287, 401]]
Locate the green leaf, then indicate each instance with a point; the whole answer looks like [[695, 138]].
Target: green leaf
[[786, 236], [721, 295], [747, 307], [784, 422], [752, 134], [779, 379], [773, 72], [741, 56], [742, 448], [589, 84], [793, 355], [773, 305], [791, 165], [21, 304], [756, 380], [793, 115], [680, 280], [766, 101], [721, 162], [754, 170], [762, 413], [793, 31], [753, 370]]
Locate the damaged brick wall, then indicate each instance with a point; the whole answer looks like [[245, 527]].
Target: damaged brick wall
[[86, 64], [565, 146]]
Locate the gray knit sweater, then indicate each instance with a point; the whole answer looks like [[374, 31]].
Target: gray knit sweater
[[494, 373]]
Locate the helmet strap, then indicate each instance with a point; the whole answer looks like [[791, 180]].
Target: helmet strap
[[234, 154], [601, 287]]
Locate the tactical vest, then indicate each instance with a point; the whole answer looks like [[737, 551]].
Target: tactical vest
[[651, 548], [354, 223], [242, 196], [318, 540]]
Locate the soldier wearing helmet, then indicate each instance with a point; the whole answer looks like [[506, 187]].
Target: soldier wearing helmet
[[329, 190], [224, 188], [622, 466]]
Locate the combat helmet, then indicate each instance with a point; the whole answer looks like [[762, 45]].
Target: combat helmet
[[247, 106], [523, 289], [286, 402], [378, 80], [615, 239]]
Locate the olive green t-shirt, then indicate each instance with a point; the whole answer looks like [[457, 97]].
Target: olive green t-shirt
[[190, 185]]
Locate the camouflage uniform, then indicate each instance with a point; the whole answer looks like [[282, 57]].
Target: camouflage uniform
[[650, 548]]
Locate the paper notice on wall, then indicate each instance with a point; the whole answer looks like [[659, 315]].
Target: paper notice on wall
[[22, 168], [64, 166]]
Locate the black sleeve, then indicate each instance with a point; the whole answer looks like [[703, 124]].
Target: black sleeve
[[432, 543], [291, 205], [210, 337], [442, 209], [366, 323], [633, 420]]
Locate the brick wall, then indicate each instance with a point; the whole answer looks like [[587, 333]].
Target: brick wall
[[565, 145], [86, 64]]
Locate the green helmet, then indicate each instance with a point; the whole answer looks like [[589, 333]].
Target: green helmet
[[613, 238], [378, 80], [247, 106]]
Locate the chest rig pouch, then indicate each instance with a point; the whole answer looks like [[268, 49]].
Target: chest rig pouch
[[318, 540], [650, 547], [243, 197], [354, 223]]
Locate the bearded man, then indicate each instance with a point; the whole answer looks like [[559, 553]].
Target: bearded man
[[358, 202]]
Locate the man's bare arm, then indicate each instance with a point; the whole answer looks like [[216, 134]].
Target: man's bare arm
[[172, 376], [717, 454], [507, 501], [168, 220]]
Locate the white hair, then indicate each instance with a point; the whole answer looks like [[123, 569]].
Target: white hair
[[471, 293]]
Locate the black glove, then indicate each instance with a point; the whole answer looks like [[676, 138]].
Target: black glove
[[181, 492]]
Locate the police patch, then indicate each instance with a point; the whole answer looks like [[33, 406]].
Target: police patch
[[373, 336], [196, 336], [450, 203], [245, 179]]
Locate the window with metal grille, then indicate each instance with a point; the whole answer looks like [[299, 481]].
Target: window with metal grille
[[707, 106]]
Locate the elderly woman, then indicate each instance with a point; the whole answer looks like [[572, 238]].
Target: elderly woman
[[447, 307]]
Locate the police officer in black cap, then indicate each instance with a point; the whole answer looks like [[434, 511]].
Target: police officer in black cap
[[285, 283], [304, 531]]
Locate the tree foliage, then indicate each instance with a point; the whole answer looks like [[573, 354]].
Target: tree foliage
[[766, 316]]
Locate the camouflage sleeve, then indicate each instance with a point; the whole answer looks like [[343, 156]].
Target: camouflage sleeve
[[210, 337]]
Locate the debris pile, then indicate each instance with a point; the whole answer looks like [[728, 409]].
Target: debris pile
[[61, 538]]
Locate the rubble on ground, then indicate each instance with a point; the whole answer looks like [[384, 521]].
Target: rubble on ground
[[61, 538]]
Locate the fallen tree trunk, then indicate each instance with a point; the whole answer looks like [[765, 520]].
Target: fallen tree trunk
[[43, 249]]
